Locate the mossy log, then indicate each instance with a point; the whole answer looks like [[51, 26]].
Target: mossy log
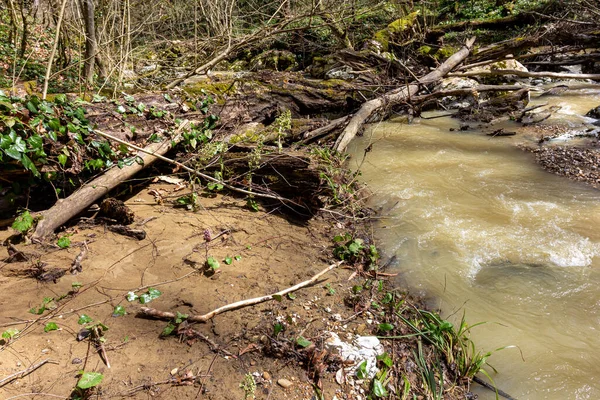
[[292, 174]]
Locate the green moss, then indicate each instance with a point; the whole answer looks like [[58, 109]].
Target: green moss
[[425, 50], [217, 89], [445, 52], [395, 30], [250, 135]]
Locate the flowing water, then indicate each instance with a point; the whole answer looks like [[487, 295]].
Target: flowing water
[[479, 227]]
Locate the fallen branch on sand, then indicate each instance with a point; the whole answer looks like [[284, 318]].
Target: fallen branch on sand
[[25, 372], [66, 209], [165, 315], [398, 95]]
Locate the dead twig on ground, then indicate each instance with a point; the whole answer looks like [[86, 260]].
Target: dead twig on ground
[[25, 372], [165, 315]]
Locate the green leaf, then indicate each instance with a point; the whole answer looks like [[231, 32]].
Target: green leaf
[[387, 298], [10, 333], [291, 296], [228, 260], [62, 159], [119, 311], [131, 296], [237, 258], [141, 107], [168, 329], [277, 297], [23, 222], [302, 342], [357, 289], [54, 124], [50, 326], [361, 370], [379, 389], [28, 164], [64, 242], [386, 359], [212, 263], [180, 317], [76, 285], [84, 319], [154, 293], [385, 327], [89, 380], [277, 328]]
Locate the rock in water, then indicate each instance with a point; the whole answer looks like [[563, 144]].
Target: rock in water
[[594, 113]]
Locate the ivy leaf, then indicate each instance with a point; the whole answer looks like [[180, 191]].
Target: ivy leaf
[[89, 380], [50, 326], [119, 311], [62, 159], [64, 242], [23, 222], [212, 263], [84, 319], [28, 164], [131, 296], [10, 333], [228, 260], [168, 330]]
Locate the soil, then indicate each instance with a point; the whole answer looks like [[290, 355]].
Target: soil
[[276, 253]]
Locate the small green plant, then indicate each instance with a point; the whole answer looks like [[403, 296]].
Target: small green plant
[[190, 201], [212, 264], [8, 335], [119, 311], [350, 249], [64, 242], [48, 303], [171, 326], [248, 385], [144, 298], [330, 290], [23, 223], [87, 382], [50, 326]]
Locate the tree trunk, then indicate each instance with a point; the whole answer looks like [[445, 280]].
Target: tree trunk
[[91, 45]]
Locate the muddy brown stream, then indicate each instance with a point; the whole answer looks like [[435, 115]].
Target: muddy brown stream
[[478, 227]]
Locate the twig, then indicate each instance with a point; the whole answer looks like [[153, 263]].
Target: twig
[[492, 388], [25, 372], [165, 315]]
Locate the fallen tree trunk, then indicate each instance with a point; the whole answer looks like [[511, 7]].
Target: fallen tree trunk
[[399, 95], [67, 208], [523, 74]]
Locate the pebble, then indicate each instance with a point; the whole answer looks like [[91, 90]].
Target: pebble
[[266, 376], [284, 383]]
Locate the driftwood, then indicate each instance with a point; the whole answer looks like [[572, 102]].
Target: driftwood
[[465, 92], [66, 209], [397, 96], [165, 315], [523, 74]]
